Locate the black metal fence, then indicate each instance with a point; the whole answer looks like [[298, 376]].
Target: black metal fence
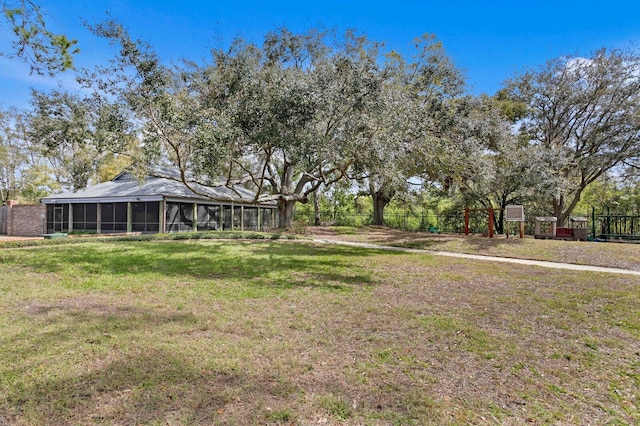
[[611, 226], [604, 226], [410, 220]]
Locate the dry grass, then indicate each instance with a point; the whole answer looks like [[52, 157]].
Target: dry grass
[[283, 333], [616, 255]]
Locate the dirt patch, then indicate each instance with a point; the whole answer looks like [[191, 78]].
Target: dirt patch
[[95, 305], [14, 238]]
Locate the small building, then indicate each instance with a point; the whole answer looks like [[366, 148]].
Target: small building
[[159, 203], [545, 227], [579, 228]]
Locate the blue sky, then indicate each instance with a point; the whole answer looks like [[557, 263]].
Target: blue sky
[[489, 40]]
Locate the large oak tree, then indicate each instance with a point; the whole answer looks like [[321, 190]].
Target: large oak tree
[[408, 129], [285, 117], [584, 116]]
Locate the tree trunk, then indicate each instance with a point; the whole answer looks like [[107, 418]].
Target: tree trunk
[[558, 204], [316, 207], [380, 200], [500, 222], [562, 219], [286, 209], [500, 219], [572, 205]]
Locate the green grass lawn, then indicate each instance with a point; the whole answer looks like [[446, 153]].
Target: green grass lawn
[[272, 332]]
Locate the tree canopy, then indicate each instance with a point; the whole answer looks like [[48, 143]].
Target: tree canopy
[[584, 116], [32, 40], [299, 112], [286, 117], [408, 128]]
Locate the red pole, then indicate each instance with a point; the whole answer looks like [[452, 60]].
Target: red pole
[[490, 222], [466, 221]]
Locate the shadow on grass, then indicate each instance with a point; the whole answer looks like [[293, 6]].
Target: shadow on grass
[[271, 264], [83, 362], [150, 387], [414, 239], [83, 321], [477, 244], [109, 378]]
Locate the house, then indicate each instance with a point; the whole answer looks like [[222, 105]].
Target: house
[[160, 203]]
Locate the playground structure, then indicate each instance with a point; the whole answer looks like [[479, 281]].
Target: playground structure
[[512, 214], [602, 226], [546, 228]]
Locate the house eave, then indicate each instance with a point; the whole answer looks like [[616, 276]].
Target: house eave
[[133, 199]]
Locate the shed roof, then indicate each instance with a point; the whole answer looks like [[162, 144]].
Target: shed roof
[[160, 184]]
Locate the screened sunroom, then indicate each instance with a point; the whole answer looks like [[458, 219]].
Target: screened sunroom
[[161, 203]]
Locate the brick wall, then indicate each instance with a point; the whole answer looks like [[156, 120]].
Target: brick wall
[[25, 220]]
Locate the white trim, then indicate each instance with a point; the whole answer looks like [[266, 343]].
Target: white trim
[[211, 201]]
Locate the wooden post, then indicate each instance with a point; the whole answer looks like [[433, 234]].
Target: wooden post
[[259, 222], [129, 216], [70, 219], [162, 224], [98, 218], [521, 229], [466, 221], [194, 217], [490, 223]]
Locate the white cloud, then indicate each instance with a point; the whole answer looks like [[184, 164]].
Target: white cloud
[[16, 82], [575, 63]]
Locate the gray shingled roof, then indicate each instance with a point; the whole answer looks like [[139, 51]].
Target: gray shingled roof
[[165, 184]]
